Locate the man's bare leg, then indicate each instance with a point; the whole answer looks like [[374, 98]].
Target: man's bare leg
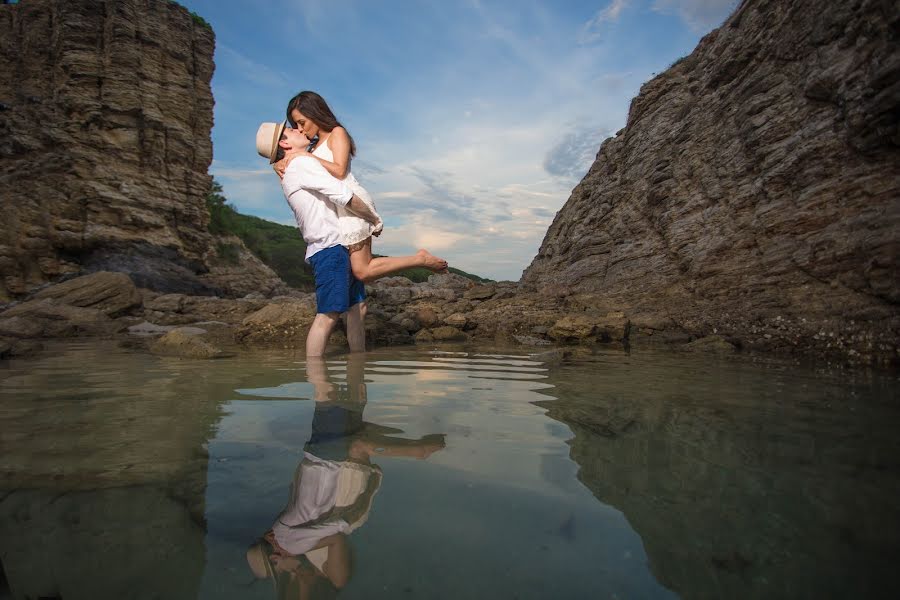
[[319, 331], [355, 321]]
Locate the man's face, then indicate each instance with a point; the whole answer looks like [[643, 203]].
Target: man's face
[[293, 140]]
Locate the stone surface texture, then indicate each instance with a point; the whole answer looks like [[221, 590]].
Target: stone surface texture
[[755, 190], [105, 119]]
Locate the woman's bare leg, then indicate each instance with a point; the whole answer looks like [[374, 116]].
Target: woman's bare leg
[[367, 269]]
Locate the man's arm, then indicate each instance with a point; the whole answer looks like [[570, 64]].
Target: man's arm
[[305, 172]]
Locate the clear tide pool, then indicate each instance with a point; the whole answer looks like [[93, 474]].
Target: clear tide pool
[[417, 473]]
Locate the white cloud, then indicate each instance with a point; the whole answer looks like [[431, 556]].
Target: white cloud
[[248, 68], [700, 15], [575, 153], [471, 135], [252, 191], [593, 29]]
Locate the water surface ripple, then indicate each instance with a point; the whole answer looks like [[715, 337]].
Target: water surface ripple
[[415, 473]]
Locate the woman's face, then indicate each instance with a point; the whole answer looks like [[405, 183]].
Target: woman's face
[[305, 124]]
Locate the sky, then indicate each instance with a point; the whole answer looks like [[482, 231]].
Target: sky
[[473, 119]]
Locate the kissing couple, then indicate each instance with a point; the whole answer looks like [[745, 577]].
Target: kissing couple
[[335, 214]]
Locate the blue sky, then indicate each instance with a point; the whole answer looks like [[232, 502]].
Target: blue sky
[[474, 119]]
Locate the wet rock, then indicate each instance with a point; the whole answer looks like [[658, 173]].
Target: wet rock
[[386, 334], [46, 319], [179, 309], [159, 268], [426, 315], [714, 344], [243, 274], [21, 327], [450, 281], [423, 336], [17, 348], [149, 329], [187, 343], [530, 340], [448, 334], [436, 293], [457, 320], [572, 328], [392, 296], [480, 292], [112, 293], [286, 322], [551, 358], [386, 282], [587, 328]]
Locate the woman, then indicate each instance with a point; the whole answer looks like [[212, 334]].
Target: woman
[[334, 148]]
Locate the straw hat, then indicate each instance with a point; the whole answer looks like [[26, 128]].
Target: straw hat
[[267, 137]]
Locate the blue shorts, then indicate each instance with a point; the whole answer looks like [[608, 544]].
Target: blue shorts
[[336, 287]]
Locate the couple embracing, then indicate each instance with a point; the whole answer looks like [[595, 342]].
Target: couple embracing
[[336, 216]]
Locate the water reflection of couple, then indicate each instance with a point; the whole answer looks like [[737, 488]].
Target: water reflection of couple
[[333, 488], [335, 214]]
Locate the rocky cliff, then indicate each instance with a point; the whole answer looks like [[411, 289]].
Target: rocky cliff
[[755, 190], [105, 119]]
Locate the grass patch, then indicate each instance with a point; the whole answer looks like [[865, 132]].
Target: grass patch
[[280, 246], [228, 253], [196, 18]]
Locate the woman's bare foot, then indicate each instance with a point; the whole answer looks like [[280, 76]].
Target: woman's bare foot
[[432, 262]]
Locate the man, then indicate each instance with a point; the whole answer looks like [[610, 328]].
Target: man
[[313, 194]]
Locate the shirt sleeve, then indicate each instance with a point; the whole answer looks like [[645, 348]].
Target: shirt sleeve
[[306, 173]]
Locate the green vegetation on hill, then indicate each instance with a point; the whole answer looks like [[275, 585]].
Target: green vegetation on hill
[[279, 246], [197, 18]]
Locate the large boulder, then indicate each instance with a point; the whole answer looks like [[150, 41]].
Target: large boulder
[[237, 272], [590, 328], [114, 294], [46, 319], [281, 323], [179, 309]]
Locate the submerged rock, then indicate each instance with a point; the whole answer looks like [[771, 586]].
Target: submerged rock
[[710, 343], [187, 343]]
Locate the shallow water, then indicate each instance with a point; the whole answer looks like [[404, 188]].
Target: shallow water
[[479, 474]]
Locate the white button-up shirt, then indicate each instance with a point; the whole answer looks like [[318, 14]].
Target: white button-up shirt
[[312, 193]]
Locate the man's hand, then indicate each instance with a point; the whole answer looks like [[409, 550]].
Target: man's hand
[[281, 166]]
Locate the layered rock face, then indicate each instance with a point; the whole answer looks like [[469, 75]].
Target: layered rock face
[[755, 191], [105, 119]]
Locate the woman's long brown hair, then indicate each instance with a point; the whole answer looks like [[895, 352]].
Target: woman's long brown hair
[[314, 107]]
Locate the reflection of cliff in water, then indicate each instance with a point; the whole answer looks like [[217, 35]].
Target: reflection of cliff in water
[[103, 468], [786, 488]]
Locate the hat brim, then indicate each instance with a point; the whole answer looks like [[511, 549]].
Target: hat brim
[[275, 137]]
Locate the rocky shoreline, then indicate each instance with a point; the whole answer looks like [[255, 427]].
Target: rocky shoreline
[[445, 309], [750, 202]]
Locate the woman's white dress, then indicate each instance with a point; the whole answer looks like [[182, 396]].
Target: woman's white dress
[[353, 228]]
